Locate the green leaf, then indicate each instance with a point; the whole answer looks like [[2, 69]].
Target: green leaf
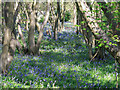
[[83, 22], [97, 33], [105, 41], [78, 25], [2, 17], [88, 16], [96, 11], [114, 44], [117, 29], [115, 36], [96, 6], [108, 33], [84, 28], [110, 43], [106, 46], [101, 39], [96, 47], [103, 23], [87, 30], [84, 11], [98, 19], [110, 26], [101, 44]]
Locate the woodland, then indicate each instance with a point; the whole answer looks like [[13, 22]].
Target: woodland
[[59, 44]]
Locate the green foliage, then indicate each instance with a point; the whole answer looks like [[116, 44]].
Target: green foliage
[[82, 22], [106, 46], [41, 20], [101, 44], [21, 42], [77, 25], [2, 17], [67, 16], [84, 28]]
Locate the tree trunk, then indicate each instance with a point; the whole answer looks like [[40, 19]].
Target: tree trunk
[[99, 52], [42, 26], [16, 11], [27, 20], [55, 28], [9, 44], [56, 20], [31, 39], [86, 33], [22, 37], [62, 16], [75, 15], [7, 34]]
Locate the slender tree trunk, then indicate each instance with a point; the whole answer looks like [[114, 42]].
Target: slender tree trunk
[[27, 20], [56, 20], [63, 15], [22, 37], [59, 15], [42, 26], [75, 15], [2, 23], [31, 39], [17, 10], [79, 19], [55, 28]]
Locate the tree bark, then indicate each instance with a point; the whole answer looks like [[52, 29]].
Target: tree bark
[[31, 39], [75, 15], [42, 26], [22, 37], [8, 10], [8, 48], [27, 20], [86, 33], [17, 10], [56, 21], [63, 16], [99, 53]]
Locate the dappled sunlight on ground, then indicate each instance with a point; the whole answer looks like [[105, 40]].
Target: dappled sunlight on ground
[[63, 63]]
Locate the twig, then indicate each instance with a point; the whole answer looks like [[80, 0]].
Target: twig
[[94, 55]]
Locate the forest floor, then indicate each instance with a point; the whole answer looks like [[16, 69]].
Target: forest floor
[[63, 63]]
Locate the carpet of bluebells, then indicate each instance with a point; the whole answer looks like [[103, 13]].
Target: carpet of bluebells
[[63, 63]]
